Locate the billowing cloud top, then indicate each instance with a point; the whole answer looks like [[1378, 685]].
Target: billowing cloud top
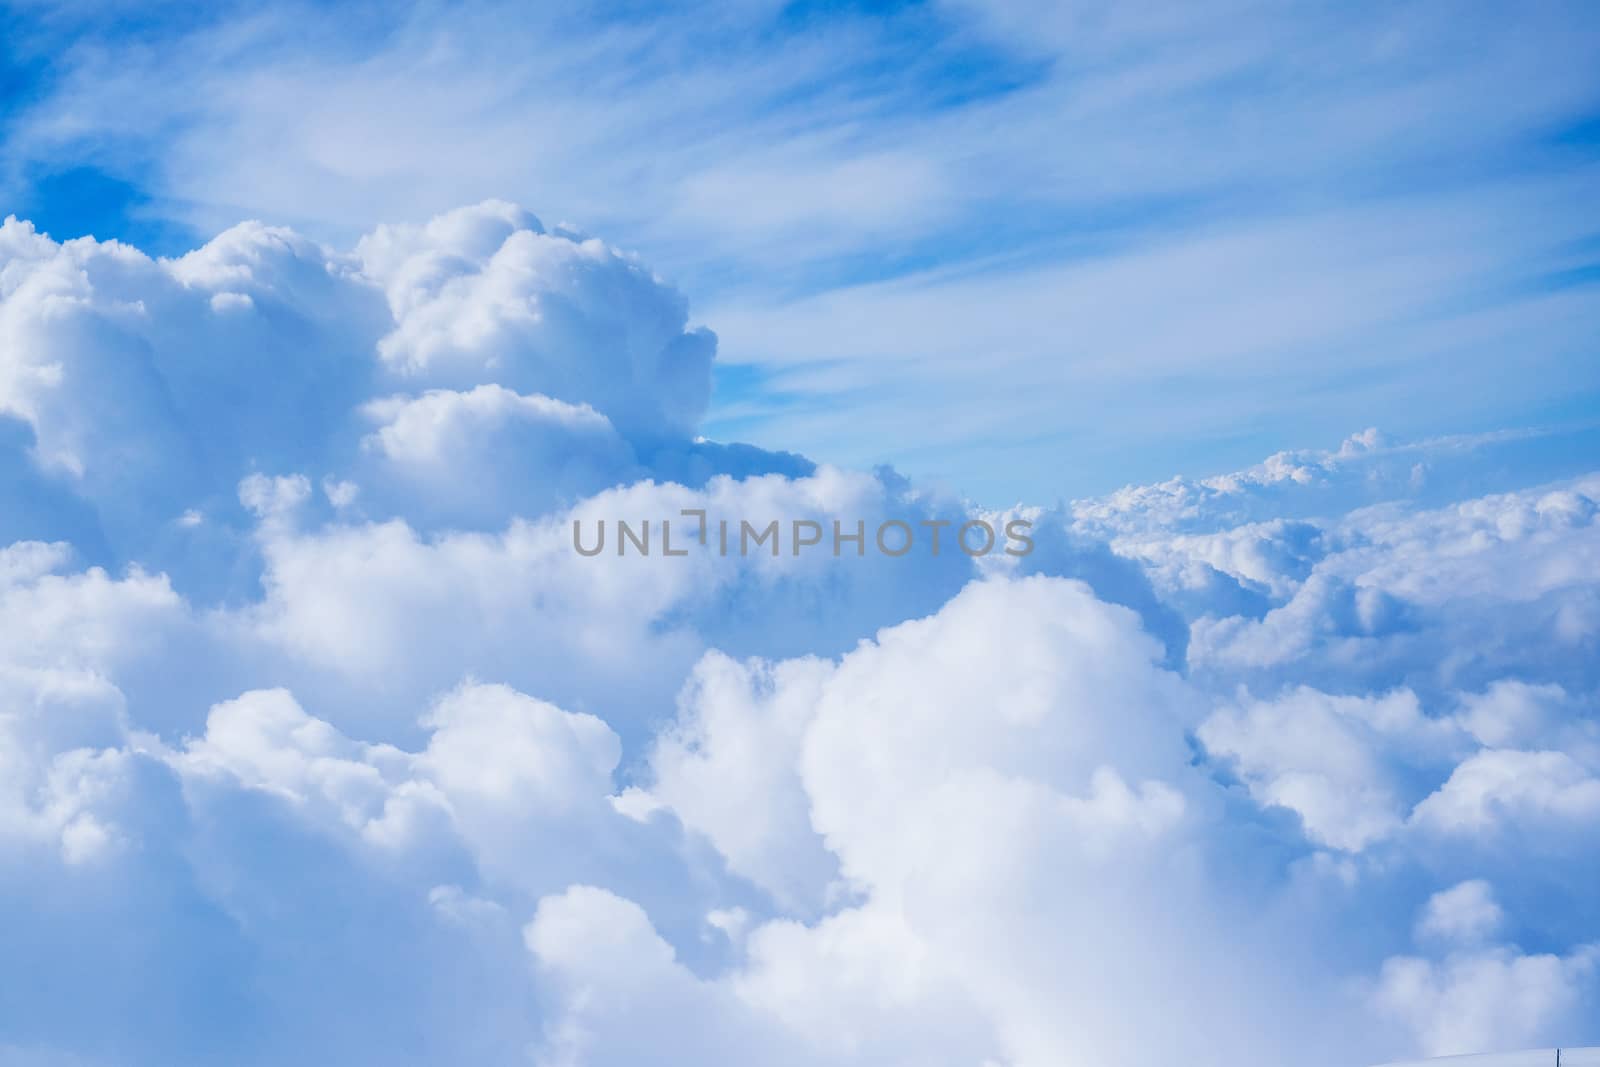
[[320, 742]]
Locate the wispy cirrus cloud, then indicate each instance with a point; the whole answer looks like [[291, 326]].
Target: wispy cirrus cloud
[[1247, 220]]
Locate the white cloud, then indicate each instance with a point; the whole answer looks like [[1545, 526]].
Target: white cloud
[[1456, 597], [265, 740], [1495, 999], [520, 782], [1513, 713], [1500, 789], [371, 732], [1004, 785], [391, 606], [472, 338], [486, 294], [1464, 913], [144, 400], [466, 456], [857, 990], [1329, 759], [62, 720], [729, 768]]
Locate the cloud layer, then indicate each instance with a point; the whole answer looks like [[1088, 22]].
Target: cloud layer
[[319, 741]]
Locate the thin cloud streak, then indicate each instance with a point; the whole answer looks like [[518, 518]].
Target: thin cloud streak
[[1030, 205]]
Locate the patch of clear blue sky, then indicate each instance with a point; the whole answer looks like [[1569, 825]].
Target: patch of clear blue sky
[[85, 201]]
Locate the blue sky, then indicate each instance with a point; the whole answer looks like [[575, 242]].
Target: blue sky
[[324, 330], [1027, 251]]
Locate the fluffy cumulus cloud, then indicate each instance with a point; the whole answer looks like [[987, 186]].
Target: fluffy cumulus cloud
[[1326, 758], [1481, 994], [321, 740]]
